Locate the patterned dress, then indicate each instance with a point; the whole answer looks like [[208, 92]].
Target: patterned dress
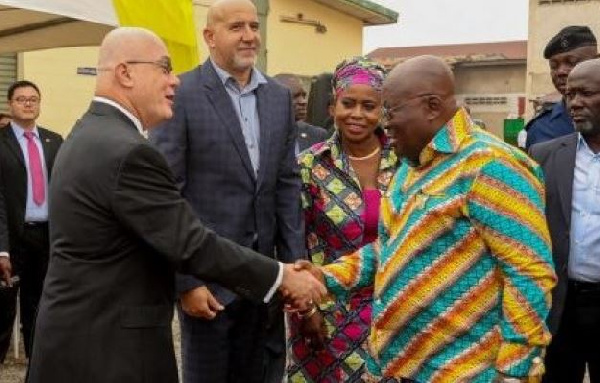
[[462, 268], [339, 219]]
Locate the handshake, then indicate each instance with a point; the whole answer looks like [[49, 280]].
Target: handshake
[[302, 286]]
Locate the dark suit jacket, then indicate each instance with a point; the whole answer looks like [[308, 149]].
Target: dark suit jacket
[[119, 230], [308, 135], [557, 158], [204, 146], [13, 181]]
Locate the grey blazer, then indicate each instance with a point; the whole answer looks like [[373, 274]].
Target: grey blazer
[[204, 145], [557, 158]]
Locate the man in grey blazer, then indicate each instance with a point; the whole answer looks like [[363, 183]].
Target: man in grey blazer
[[572, 174], [230, 145], [119, 229]]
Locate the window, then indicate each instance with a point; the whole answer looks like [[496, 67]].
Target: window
[[486, 100], [8, 75]]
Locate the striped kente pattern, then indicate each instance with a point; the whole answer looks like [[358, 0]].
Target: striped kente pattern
[[462, 269]]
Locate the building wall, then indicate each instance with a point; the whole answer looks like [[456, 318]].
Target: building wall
[[491, 92], [299, 49], [491, 79], [66, 95], [291, 48], [545, 20]]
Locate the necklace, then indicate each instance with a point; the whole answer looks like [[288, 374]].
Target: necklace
[[374, 152]]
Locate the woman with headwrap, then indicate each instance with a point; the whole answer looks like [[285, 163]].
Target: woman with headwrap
[[343, 180]]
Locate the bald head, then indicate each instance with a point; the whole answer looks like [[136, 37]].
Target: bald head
[[419, 94], [134, 70], [589, 69], [219, 10], [232, 35], [122, 44], [118, 46], [422, 75], [583, 100]]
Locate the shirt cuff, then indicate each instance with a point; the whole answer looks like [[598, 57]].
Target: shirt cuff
[[276, 285], [4, 254]]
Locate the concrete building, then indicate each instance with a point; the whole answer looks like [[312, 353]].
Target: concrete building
[[490, 77], [305, 37], [546, 18]]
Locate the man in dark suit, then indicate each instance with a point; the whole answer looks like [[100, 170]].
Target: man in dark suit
[[308, 135], [120, 229], [231, 147], [27, 154], [572, 171]]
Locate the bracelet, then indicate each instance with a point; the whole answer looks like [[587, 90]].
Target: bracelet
[[309, 313]]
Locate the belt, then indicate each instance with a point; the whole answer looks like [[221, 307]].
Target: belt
[[584, 287]]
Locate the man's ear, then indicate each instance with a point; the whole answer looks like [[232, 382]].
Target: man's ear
[[123, 75], [209, 35], [435, 106]]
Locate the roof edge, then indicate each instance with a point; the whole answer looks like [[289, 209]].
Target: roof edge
[[375, 8], [369, 12]]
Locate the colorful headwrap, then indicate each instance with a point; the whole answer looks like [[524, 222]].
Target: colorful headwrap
[[357, 70]]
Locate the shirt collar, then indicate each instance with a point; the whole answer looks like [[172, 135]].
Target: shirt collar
[[256, 78], [20, 132], [449, 138], [136, 121], [580, 142], [582, 145]]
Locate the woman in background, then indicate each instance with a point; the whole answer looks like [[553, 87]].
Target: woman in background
[[343, 181]]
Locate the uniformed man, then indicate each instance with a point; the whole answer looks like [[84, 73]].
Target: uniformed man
[[570, 46]]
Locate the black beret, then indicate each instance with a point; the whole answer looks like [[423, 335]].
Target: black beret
[[569, 38]]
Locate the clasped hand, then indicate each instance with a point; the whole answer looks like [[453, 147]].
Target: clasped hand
[[303, 285]]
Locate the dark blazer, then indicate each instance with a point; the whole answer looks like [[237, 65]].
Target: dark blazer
[[308, 135], [13, 180], [119, 230], [205, 147], [557, 158]]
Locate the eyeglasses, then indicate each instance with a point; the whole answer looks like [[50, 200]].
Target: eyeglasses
[[163, 64], [24, 100], [387, 112]]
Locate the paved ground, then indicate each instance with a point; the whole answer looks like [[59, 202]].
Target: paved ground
[[13, 370]]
